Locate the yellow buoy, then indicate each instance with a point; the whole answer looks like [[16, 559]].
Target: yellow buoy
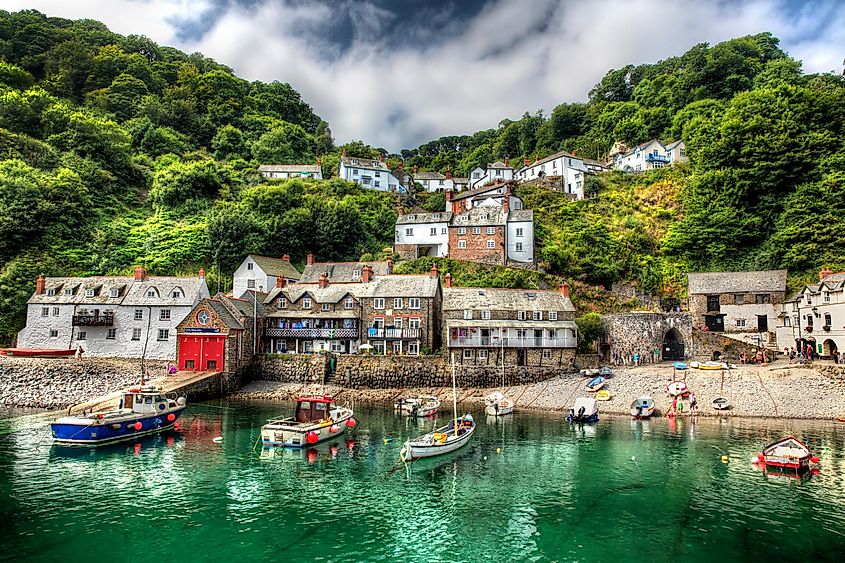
[[498, 450], [725, 459]]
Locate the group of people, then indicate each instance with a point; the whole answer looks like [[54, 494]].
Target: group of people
[[805, 354], [761, 357], [638, 358]]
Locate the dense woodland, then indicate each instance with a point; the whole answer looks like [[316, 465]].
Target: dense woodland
[[115, 151]]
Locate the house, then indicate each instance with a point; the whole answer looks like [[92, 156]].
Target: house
[[374, 174], [219, 334], [647, 156], [743, 304], [594, 166], [261, 273], [422, 234], [123, 316], [815, 316], [392, 314], [481, 176], [434, 181], [460, 184], [569, 168], [494, 194], [342, 272], [486, 327], [291, 171], [677, 152]]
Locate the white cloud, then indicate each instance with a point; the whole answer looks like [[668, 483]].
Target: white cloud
[[514, 56]]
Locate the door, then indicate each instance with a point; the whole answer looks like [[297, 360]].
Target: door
[[715, 323], [485, 337], [762, 323], [520, 357]]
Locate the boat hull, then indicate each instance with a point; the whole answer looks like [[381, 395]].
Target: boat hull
[[491, 410], [287, 437], [418, 451], [37, 353], [108, 431], [720, 404]]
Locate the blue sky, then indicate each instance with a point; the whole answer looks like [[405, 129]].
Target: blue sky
[[396, 73]]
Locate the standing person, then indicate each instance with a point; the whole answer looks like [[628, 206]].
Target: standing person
[[79, 352], [636, 359], [791, 355]]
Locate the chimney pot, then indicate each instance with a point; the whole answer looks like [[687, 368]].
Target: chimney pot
[[40, 284], [506, 162], [281, 282], [343, 153], [448, 174], [564, 289], [286, 257], [310, 259], [389, 265], [324, 280], [434, 272], [448, 280], [366, 273], [140, 273], [527, 162], [201, 273], [381, 157]]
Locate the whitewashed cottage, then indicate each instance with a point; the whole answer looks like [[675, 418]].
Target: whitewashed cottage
[[374, 174], [261, 273], [282, 171]]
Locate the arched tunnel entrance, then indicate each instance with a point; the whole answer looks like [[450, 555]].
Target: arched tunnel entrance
[[673, 346]]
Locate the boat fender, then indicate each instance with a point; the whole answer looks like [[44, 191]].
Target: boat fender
[[171, 417], [351, 423], [138, 425], [162, 406], [334, 428], [814, 459], [761, 456], [312, 437]]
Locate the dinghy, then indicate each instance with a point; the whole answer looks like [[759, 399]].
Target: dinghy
[[677, 388], [496, 404], [694, 365], [595, 384], [679, 365], [419, 406], [585, 410], [642, 407], [590, 372], [721, 403], [603, 395], [605, 372], [712, 365], [788, 453]]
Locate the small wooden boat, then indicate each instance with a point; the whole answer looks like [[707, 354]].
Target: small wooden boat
[[605, 372], [590, 372], [315, 419], [36, 353], [142, 410], [787, 454], [585, 410], [603, 395], [642, 407], [680, 365], [441, 441], [694, 365], [721, 403], [595, 384], [496, 404], [419, 406], [677, 388], [712, 365]]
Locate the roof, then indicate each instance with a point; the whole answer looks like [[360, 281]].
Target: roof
[[364, 162], [641, 146], [312, 314], [132, 292], [225, 315], [498, 164], [417, 218], [477, 191], [395, 285], [521, 215], [457, 180], [831, 282], [479, 217], [462, 298], [341, 271], [429, 176], [245, 304], [671, 146], [554, 156], [591, 162], [736, 282], [276, 266], [311, 168]]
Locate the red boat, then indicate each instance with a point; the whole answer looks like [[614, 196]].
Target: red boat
[[787, 454], [37, 353]]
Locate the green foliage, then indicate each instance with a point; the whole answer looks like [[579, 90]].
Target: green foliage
[[180, 183], [590, 330], [285, 144]]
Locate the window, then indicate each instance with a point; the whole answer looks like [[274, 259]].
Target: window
[[520, 334], [826, 297], [45, 311], [337, 346], [69, 291], [139, 314], [136, 334], [485, 314], [467, 354], [409, 232], [51, 292], [111, 334], [482, 354], [796, 320], [163, 333], [81, 335], [467, 314], [462, 244], [739, 299], [498, 172], [762, 298], [827, 319], [476, 174], [378, 303], [413, 348], [282, 303], [787, 321], [348, 303], [325, 307], [176, 294], [55, 311], [740, 323], [414, 323], [414, 303], [462, 230], [90, 293], [552, 315], [434, 231], [538, 315], [443, 231], [491, 244], [517, 247], [249, 265], [476, 230], [356, 273], [397, 347], [250, 284], [152, 292], [354, 171], [809, 300], [713, 303], [519, 231], [520, 315], [397, 322], [114, 292], [376, 183], [397, 302], [164, 315], [810, 321], [547, 354], [54, 334], [491, 230], [306, 303]]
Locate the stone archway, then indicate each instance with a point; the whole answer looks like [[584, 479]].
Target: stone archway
[[673, 346], [829, 347]]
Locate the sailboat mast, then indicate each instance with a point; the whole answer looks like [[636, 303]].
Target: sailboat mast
[[502, 354], [454, 395]]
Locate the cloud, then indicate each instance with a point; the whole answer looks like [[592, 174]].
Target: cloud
[[396, 74]]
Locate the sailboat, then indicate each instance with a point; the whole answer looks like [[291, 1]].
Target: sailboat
[[444, 439], [496, 403]]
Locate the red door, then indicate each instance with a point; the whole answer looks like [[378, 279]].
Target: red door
[[201, 352]]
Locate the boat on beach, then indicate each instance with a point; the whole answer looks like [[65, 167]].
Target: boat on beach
[[605, 372], [721, 403], [680, 365], [585, 410], [141, 411], [788, 454], [642, 407], [419, 406], [36, 353], [595, 383], [316, 419], [677, 388], [603, 395]]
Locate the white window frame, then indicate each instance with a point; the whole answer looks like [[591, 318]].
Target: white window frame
[[462, 230], [45, 311], [89, 293], [482, 354], [485, 314], [325, 307], [55, 311], [306, 302], [467, 314], [547, 354], [462, 244], [413, 348], [517, 246], [82, 335], [282, 303], [138, 315], [164, 315], [491, 230], [163, 334], [409, 232], [111, 334], [348, 303], [538, 315], [491, 244], [114, 293], [250, 284], [54, 333], [552, 315], [378, 303], [249, 265], [467, 353], [136, 334], [413, 303], [476, 230], [414, 323], [397, 302], [520, 315]]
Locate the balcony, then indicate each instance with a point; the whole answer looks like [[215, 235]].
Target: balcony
[[105, 319], [322, 333], [394, 333], [656, 158], [513, 342]]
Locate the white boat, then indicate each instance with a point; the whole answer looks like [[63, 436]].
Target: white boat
[[585, 410], [315, 420], [677, 388], [721, 403], [642, 407], [496, 404], [419, 406]]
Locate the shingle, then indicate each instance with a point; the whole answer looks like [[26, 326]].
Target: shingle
[[340, 271]]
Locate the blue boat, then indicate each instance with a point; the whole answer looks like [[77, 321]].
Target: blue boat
[[141, 411], [595, 383], [680, 365]]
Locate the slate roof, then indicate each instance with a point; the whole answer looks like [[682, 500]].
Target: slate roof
[[374, 164], [479, 217], [396, 285], [477, 191], [495, 323], [641, 146], [671, 146], [276, 267], [832, 282], [310, 168], [485, 298], [736, 282], [554, 156], [244, 304], [429, 176], [521, 215], [418, 218], [340, 271], [224, 313], [498, 164], [132, 292]]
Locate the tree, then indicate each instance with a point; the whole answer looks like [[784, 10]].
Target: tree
[[180, 182], [286, 144], [229, 143], [590, 330]]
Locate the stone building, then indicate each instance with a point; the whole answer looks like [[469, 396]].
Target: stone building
[[115, 316], [282, 171], [651, 336], [260, 273], [341, 272], [744, 304], [815, 316], [520, 327]]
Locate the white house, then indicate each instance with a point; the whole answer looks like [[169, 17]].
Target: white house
[[500, 171], [815, 316], [130, 317], [373, 174], [569, 168], [677, 152], [493, 194], [423, 234], [291, 171], [262, 273], [647, 156], [434, 181]]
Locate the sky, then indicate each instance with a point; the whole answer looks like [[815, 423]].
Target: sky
[[397, 73]]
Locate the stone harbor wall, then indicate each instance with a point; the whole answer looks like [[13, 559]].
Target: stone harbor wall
[[644, 333], [61, 382], [710, 344], [293, 368]]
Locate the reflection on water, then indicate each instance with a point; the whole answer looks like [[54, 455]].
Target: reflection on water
[[527, 487]]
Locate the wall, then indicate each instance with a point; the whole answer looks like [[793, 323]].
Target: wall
[[527, 240], [642, 333], [476, 244], [293, 368]]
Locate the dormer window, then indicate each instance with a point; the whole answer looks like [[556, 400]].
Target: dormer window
[[177, 294], [306, 303], [68, 291], [356, 273], [325, 307], [282, 303], [51, 292], [90, 293], [349, 303], [114, 292], [152, 293]]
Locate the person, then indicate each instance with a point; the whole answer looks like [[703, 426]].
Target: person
[[79, 352], [693, 403], [759, 356], [636, 359], [791, 355], [171, 370]]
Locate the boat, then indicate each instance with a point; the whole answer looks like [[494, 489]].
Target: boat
[[590, 372], [787, 454], [605, 372], [442, 440], [603, 395], [694, 365], [316, 419], [585, 410], [677, 388], [721, 403], [680, 365], [496, 404], [420, 405], [713, 365], [36, 353], [595, 383], [642, 407], [142, 410]]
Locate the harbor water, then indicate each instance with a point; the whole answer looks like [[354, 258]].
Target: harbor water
[[531, 487]]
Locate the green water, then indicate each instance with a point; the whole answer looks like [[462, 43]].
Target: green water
[[533, 488]]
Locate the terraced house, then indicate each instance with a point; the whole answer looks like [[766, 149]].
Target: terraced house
[[374, 174], [259, 273], [815, 316], [113, 316]]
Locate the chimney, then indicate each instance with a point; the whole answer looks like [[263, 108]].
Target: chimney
[[389, 265], [201, 273], [140, 273], [310, 259], [527, 162], [506, 161], [401, 165], [286, 257], [344, 152], [434, 272], [448, 174], [574, 153], [506, 203], [498, 181], [564, 289], [381, 158], [281, 282], [448, 196], [415, 169], [39, 285], [366, 273], [448, 280], [324, 280], [319, 161], [824, 272]]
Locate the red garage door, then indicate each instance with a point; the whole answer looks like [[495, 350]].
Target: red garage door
[[201, 352]]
